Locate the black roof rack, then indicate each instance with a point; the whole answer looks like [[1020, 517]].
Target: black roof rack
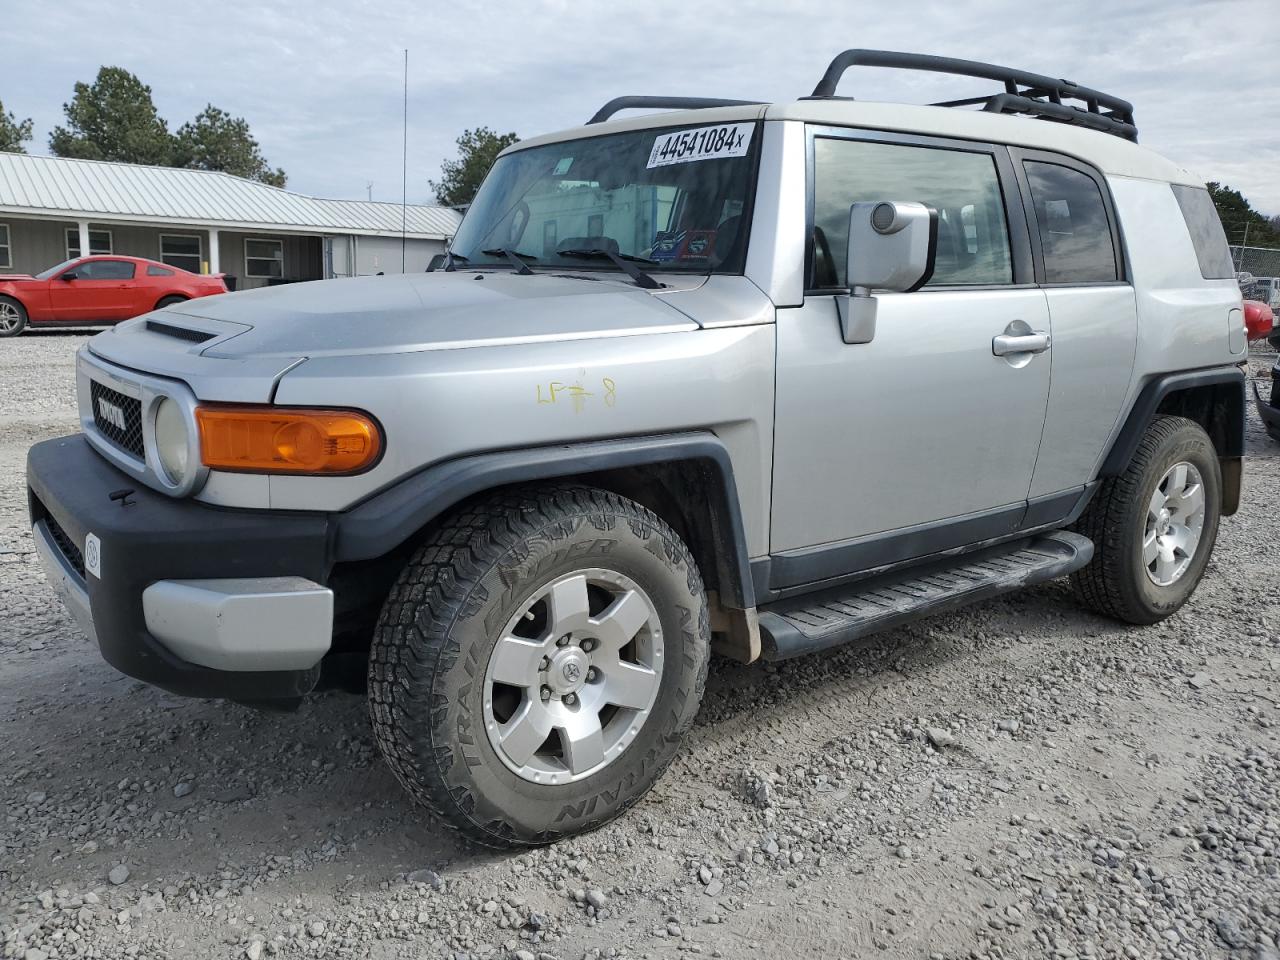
[[674, 103], [1024, 93]]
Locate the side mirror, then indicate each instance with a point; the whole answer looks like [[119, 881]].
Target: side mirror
[[69, 275], [892, 246]]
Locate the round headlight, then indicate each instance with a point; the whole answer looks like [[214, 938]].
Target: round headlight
[[171, 440]]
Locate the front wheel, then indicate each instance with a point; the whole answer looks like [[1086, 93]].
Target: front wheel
[[13, 317], [1153, 526], [538, 662]]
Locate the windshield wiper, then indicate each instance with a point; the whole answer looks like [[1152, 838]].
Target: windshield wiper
[[623, 261], [517, 259], [450, 256]]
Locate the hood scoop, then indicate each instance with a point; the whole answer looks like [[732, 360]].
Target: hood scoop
[[180, 333]]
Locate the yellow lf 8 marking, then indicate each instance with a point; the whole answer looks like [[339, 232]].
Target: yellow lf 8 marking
[[555, 392]]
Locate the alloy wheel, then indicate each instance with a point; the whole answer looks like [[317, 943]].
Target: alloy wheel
[[10, 318], [1175, 520], [573, 677]]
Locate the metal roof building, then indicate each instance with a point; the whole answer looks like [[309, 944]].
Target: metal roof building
[[52, 209]]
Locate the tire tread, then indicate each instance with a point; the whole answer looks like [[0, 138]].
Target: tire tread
[[413, 634], [1099, 584]]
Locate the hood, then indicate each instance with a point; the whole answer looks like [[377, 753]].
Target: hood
[[7, 277], [429, 311]]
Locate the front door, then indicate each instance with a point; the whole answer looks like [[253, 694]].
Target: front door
[[103, 290], [932, 424]]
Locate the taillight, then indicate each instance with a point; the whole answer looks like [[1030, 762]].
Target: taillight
[[287, 440]]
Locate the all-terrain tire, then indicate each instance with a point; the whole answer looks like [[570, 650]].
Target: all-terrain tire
[[443, 617], [1116, 582]]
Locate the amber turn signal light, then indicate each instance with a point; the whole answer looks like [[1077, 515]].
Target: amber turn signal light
[[284, 440]]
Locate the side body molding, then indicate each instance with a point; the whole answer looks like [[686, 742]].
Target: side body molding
[[389, 518]]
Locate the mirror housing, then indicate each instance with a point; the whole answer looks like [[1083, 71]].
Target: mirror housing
[[892, 246], [69, 275]]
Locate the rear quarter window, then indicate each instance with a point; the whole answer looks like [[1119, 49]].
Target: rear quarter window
[[1207, 235], [1071, 216]]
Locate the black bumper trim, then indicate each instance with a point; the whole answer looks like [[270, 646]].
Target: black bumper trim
[[157, 537], [1270, 414]]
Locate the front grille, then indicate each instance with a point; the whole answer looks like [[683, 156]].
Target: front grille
[[65, 544], [118, 417]]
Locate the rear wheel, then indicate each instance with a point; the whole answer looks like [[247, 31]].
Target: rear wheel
[[170, 301], [13, 317], [1154, 526], [538, 662]]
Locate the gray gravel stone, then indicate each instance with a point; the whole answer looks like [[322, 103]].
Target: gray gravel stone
[[940, 738]]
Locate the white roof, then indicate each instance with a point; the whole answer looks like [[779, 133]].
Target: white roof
[[107, 191], [1111, 154]]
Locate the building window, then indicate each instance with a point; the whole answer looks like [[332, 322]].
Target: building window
[[181, 251], [5, 259], [99, 243], [263, 259]]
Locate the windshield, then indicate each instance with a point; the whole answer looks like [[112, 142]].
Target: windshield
[[677, 197], [46, 274]]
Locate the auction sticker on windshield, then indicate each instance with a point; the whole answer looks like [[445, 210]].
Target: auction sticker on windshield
[[703, 143]]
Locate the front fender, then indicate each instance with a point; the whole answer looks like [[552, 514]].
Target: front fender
[[386, 520]]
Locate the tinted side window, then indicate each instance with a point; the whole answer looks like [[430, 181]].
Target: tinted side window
[[105, 270], [1207, 235], [1075, 235], [154, 271], [973, 235]]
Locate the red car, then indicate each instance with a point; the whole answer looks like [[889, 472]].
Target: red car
[[1259, 321], [102, 289]]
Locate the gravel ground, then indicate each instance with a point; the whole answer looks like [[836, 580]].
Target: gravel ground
[[1022, 779]]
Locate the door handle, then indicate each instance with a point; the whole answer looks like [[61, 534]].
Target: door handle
[[1008, 343]]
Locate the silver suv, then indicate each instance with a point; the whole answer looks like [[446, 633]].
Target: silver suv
[[752, 378]]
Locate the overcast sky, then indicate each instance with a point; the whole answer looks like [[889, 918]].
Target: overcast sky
[[320, 82]]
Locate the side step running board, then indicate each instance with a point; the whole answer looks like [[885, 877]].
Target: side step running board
[[816, 621]]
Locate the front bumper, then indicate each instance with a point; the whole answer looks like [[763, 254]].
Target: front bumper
[[198, 600]]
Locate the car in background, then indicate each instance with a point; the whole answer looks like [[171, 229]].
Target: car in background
[[97, 290], [1266, 289]]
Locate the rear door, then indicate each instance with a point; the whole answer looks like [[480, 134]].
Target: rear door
[[102, 291], [1080, 264], [924, 435]]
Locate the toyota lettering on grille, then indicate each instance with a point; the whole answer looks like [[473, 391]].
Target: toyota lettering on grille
[[112, 414]]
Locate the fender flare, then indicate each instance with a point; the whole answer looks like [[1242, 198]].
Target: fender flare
[[388, 518], [1149, 400]]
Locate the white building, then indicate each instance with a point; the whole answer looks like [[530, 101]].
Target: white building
[[53, 209]]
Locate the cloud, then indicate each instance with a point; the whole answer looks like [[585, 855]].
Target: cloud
[[320, 82]]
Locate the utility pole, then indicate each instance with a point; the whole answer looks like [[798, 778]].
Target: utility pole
[[404, 171]]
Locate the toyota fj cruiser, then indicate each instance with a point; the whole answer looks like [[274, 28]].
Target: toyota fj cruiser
[[757, 378]]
